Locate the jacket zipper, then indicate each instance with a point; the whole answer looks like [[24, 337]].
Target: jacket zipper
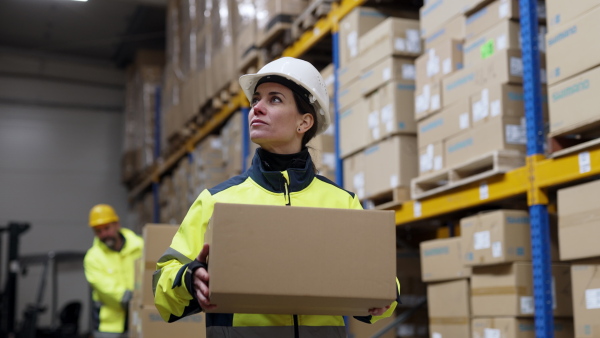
[[288, 202]]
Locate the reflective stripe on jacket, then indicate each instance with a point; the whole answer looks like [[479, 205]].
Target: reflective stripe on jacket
[[111, 275], [295, 187]]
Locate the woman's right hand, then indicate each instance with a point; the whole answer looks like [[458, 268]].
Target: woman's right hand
[[201, 281]]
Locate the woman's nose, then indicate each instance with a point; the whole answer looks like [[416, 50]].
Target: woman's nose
[[258, 107]]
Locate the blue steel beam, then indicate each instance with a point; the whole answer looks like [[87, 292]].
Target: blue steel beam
[[339, 170], [540, 236]]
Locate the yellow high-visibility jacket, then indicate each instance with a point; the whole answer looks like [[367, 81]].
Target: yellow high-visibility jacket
[[111, 275], [172, 281]]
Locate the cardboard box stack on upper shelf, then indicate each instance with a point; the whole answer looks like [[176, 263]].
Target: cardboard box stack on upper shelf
[[376, 79], [144, 319], [578, 229], [573, 63], [469, 99]]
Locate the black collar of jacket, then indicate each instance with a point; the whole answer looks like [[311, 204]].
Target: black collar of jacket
[[274, 181]]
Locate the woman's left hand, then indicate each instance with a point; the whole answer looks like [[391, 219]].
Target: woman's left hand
[[378, 311]]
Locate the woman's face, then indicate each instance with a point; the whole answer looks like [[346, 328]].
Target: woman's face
[[275, 123]]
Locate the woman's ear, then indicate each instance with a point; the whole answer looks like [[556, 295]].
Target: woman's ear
[[306, 122]]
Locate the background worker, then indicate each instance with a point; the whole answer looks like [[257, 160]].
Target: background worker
[[109, 268], [290, 106]]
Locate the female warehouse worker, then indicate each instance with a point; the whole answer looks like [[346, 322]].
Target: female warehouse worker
[[289, 107]]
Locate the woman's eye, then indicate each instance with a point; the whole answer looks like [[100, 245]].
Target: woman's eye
[[276, 99], [254, 101]]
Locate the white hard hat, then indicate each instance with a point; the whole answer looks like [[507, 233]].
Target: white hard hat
[[301, 73]]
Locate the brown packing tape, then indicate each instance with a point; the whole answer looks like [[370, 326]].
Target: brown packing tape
[[579, 219], [449, 320], [499, 290]]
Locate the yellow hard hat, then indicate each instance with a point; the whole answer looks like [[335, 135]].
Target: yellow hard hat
[[102, 214]]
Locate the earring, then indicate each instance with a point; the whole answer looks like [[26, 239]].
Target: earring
[[298, 129]]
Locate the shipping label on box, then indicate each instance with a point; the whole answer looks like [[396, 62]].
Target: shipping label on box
[[392, 37], [390, 164], [511, 327], [434, 14], [501, 68], [501, 133], [507, 290], [352, 27], [578, 221], [431, 158], [428, 99], [505, 35], [353, 134], [574, 95], [560, 11], [496, 237], [439, 61], [586, 298], [390, 69], [242, 234], [490, 16], [441, 259], [445, 124], [572, 48], [451, 30]]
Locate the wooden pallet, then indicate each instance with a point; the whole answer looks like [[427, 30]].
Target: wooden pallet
[[389, 199], [310, 16], [485, 166], [584, 135]]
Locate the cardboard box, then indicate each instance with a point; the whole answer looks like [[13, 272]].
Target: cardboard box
[[272, 13], [559, 12], [454, 29], [449, 309], [352, 27], [241, 235], [358, 329], [574, 95], [510, 327], [353, 134], [501, 68], [391, 111], [428, 99], [497, 100], [392, 37], [572, 47], [431, 158], [151, 325], [491, 15], [435, 13], [586, 298], [354, 174], [504, 35], [390, 164], [439, 61], [157, 239], [500, 133], [349, 73], [501, 236], [395, 69], [441, 259], [578, 221], [507, 290], [440, 126], [350, 94]]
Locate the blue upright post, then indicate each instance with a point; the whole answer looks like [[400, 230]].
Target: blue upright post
[[157, 140], [245, 138], [339, 170], [540, 235]]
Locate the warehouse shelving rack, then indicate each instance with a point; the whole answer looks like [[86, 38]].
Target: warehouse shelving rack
[[532, 180]]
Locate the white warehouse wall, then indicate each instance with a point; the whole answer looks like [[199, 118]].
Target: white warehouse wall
[[61, 131]]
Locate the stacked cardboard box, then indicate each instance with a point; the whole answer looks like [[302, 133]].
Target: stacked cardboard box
[[573, 58], [322, 147], [144, 77], [209, 167], [578, 229], [144, 319], [231, 139], [469, 96], [376, 77]]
